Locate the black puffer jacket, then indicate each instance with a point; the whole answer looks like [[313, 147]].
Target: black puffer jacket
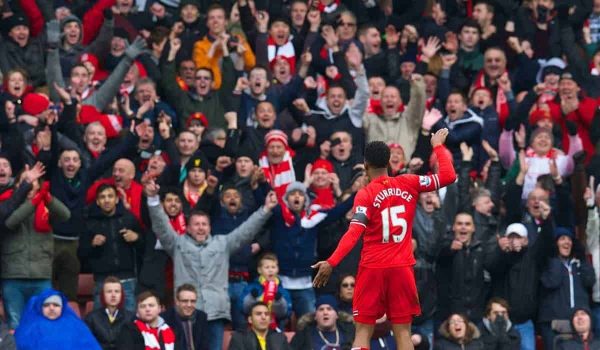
[[461, 285], [103, 330], [116, 256]]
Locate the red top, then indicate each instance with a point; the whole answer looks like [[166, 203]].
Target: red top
[[384, 211]]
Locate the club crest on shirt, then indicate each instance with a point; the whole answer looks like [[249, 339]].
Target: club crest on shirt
[[424, 181], [361, 210]]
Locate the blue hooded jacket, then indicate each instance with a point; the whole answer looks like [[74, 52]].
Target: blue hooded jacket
[[66, 332]]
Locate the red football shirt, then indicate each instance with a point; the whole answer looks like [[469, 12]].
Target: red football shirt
[[384, 211]]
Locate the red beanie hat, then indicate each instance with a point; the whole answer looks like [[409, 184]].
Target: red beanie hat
[[276, 135], [538, 114], [34, 103], [197, 116], [322, 164]]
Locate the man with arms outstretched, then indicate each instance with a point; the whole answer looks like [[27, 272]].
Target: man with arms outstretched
[[384, 212]]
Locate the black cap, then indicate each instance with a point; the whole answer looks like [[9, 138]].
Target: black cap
[[196, 162], [13, 21]]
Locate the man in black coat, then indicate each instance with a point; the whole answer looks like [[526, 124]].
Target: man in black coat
[[106, 322], [189, 324], [259, 334]]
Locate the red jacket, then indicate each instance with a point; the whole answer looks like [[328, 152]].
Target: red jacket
[[93, 19], [582, 116], [34, 15]]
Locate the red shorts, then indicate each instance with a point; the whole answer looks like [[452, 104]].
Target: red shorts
[[391, 291]]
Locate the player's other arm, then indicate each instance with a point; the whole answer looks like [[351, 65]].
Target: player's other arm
[[348, 241]]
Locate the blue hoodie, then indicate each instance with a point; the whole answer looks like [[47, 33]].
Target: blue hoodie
[[66, 332]]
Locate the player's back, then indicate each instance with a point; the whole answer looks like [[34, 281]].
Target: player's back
[[389, 204]]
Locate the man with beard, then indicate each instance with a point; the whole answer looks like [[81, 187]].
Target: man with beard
[[106, 322], [200, 98], [259, 333]]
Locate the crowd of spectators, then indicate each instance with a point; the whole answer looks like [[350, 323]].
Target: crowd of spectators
[[197, 157]]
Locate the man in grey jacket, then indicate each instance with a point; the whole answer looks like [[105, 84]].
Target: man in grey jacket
[[202, 259]]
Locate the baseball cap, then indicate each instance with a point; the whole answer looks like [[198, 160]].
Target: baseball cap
[[516, 228]]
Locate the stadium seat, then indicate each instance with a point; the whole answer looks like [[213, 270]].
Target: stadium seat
[[226, 339], [85, 286], [75, 306], [289, 336]]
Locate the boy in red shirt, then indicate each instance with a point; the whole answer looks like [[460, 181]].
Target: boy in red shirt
[[384, 212]]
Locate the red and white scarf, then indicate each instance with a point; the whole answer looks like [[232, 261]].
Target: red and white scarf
[[501, 100], [329, 8], [153, 336], [278, 175], [286, 51]]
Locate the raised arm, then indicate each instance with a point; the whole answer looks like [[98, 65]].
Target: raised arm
[[160, 222]]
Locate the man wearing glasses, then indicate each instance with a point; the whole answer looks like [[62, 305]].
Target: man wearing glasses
[[188, 323]]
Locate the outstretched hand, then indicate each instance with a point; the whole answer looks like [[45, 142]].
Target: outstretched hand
[[323, 274]]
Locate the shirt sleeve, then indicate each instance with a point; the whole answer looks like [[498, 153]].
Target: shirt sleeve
[[445, 176], [361, 209]]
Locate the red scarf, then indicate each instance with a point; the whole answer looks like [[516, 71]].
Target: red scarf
[[178, 223], [501, 100], [278, 175], [329, 8], [269, 292], [41, 220], [325, 197], [153, 336], [6, 194]]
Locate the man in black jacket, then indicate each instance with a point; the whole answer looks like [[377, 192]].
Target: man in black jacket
[[259, 336], [459, 273], [188, 323], [106, 322], [112, 243]]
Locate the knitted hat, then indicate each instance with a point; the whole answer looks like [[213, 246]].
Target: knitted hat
[[538, 114], [10, 22], [34, 103], [248, 153], [276, 135], [322, 164], [53, 299], [563, 231], [552, 66], [297, 186], [196, 162], [68, 19], [327, 300], [197, 116]]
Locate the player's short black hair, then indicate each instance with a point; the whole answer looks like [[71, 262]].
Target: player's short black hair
[[377, 154]]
